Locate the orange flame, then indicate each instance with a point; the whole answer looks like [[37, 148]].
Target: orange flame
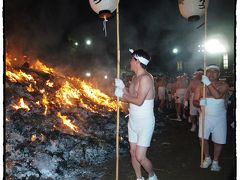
[[33, 138], [72, 92], [66, 93], [8, 60], [30, 88], [42, 91], [50, 84], [98, 97], [21, 105], [15, 76], [38, 65], [67, 122], [45, 103]]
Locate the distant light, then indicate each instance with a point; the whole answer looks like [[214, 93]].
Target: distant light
[[215, 46], [76, 43], [88, 42], [88, 74], [175, 50], [225, 61], [105, 77]]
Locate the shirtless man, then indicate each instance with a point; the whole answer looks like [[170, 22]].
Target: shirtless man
[[169, 87], [181, 87], [194, 83], [161, 91], [141, 122], [215, 121]]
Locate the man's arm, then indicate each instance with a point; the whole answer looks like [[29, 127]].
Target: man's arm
[[187, 93], [197, 96], [219, 92], [144, 86]]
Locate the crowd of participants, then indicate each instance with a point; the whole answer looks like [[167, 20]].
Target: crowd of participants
[[203, 99], [203, 96], [183, 97]]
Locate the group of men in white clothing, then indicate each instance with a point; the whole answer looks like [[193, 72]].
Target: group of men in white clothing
[[189, 93], [141, 93]]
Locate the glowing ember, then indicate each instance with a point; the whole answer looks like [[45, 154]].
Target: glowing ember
[[33, 138], [21, 105], [67, 122], [45, 103], [50, 84], [42, 138], [30, 88], [42, 91]]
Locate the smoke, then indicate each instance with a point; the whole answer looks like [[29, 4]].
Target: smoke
[[48, 30]]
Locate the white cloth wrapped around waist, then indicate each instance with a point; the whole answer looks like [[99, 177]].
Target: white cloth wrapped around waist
[[146, 107], [215, 107], [140, 116], [180, 92]]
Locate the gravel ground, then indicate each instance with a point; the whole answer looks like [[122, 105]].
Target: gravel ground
[[175, 154]]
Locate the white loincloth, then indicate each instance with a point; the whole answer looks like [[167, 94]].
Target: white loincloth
[[141, 123], [215, 121], [161, 92], [180, 95], [193, 110]]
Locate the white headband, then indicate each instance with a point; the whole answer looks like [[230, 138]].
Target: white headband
[[196, 72], [140, 58], [213, 67]]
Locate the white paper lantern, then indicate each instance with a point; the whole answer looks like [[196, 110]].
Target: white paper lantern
[[104, 8], [192, 9]]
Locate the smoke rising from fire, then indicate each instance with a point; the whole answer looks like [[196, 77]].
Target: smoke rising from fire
[[48, 30]]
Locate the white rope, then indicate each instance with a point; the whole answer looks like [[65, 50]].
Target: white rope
[[105, 26]]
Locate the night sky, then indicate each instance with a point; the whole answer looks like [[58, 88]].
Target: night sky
[[48, 29]]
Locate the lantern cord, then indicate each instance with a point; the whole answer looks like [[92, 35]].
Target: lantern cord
[[105, 26], [118, 76], [204, 87]]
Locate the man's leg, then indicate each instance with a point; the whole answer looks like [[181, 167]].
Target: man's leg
[[143, 160], [217, 151], [193, 120], [136, 165], [179, 110]]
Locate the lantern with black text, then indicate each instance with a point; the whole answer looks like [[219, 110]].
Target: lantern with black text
[[104, 9], [192, 9]]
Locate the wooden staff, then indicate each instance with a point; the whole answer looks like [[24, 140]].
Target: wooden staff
[[118, 76], [204, 87]]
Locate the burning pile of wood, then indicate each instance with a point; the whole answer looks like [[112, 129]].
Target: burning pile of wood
[[56, 126]]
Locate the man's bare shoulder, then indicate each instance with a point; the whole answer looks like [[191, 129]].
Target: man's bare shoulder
[[147, 77]]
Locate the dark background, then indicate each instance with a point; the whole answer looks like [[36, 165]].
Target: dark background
[[48, 29]]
